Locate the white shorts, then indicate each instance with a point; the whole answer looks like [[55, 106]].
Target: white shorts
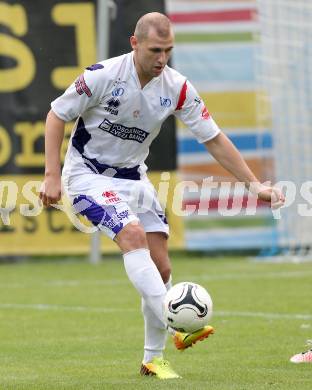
[[111, 203]]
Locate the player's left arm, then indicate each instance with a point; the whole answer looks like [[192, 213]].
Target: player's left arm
[[192, 111], [227, 155]]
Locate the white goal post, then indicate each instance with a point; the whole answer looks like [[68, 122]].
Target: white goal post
[[284, 73]]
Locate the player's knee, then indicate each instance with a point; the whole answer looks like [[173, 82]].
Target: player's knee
[[131, 237]]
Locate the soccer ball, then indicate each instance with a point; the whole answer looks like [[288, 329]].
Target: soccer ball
[[187, 307]]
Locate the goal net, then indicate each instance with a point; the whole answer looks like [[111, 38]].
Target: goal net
[[284, 73]]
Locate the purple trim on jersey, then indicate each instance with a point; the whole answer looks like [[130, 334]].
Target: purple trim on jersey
[[104, 215], [163, 218], [95, 67], [118, 173], [81, 136]]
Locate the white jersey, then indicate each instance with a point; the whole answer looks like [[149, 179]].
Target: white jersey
[[117, 119]]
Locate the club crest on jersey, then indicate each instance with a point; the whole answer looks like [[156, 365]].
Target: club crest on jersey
[[165, 102], [118, 91], [112, 105], [136, 113]]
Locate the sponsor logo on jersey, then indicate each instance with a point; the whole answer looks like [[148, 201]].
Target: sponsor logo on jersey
[[95, 67], [165, 102], [81, 86], [113, 102], [112, 220], [205, 113], [118, 91], [112, 105], [123, 132], [197, 100], [111, 197]]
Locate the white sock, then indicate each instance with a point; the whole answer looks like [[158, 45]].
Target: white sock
[[146, 278], [169, 283], [155, 335]]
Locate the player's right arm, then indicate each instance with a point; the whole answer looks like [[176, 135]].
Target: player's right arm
[[54, 133], [84, 93]]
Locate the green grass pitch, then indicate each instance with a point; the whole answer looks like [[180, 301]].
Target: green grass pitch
[[73, 325]]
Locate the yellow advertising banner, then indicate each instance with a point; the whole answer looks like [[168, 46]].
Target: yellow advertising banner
[[39, 58]]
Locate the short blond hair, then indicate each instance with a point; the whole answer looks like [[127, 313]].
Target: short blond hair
[[155, 20]]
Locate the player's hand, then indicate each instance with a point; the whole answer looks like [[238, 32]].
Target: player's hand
[[270, 194], [51, 190]]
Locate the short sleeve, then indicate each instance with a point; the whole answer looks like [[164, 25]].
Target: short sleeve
[[85, 92], [192, 111]]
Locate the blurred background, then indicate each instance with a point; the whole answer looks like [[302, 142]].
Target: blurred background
[[250, 62]]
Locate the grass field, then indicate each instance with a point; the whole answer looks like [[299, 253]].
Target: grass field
[[71, 325]]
